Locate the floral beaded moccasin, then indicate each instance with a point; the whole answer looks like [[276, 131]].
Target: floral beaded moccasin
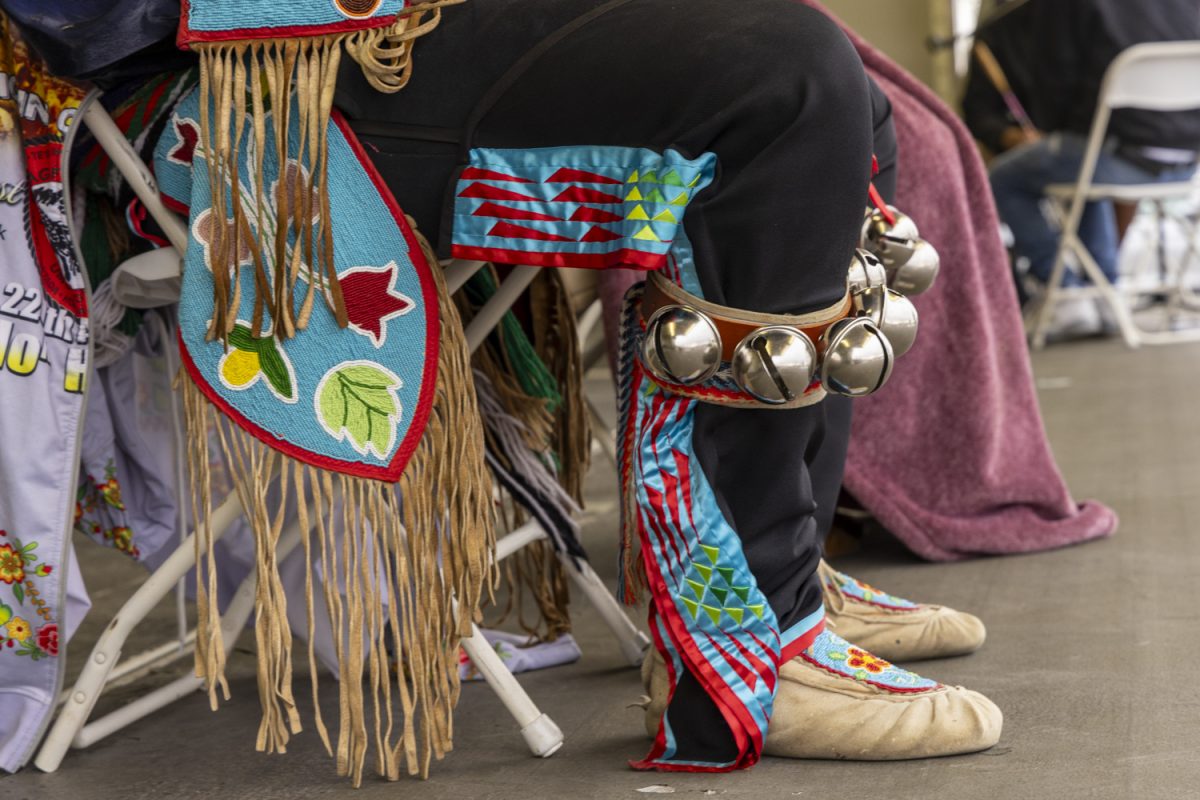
[[838, 701], [895, 628]]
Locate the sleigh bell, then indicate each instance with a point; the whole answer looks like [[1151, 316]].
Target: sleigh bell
[[917, 273], [888, 239], [910, 261], [866, 272], [894, 315], [775, 364], [681, 346], [858, 358]]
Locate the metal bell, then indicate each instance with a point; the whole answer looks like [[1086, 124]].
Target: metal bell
[[858, 358], [866, 272], [899, 322], [870, 303], [917, 273], [892, 242], [775, 364], [894, 315], [681, 346]]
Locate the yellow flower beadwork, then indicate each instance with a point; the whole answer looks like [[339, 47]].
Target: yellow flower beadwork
[[240, 367]]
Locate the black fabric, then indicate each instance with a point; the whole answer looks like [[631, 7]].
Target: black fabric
[[1074, 42], [1009, 36], [827, 462], [779, 94], [101, 40]]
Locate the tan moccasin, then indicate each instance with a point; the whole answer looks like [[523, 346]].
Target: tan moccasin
[[892, 627], [838, 701]]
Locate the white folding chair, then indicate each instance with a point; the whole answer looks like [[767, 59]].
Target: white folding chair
[[1158, 76], [72, 728]]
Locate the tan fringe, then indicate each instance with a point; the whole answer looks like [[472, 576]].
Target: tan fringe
[[536, 572], [556, 341], [533, 412], [633, 567], [425, 543], [232, 75], [385, 54]]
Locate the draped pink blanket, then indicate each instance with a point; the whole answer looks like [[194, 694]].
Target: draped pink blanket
[[951, 456]]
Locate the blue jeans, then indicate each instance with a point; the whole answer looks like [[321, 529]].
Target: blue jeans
[[1019, 179]]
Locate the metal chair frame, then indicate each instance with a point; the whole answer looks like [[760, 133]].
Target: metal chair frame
[[1155, 76], [106, 668]]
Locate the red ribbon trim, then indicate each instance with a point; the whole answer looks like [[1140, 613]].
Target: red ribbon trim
[[618, 259]]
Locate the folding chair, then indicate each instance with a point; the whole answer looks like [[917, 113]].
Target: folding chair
[[1158, 76], [72, 728]]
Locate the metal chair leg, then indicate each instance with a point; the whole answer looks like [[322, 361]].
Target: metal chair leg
[[543, 737], [107, 652], [633, 642]]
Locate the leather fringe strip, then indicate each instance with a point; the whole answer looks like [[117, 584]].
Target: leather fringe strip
[[240, 84], [536, 381], [413, 560]]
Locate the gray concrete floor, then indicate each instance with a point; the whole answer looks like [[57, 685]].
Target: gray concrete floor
[[1091, 651]]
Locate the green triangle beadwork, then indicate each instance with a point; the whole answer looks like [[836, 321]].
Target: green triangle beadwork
[[720, 594], [727, 574], [655, 197], [697, 587], [712, 552], [758, 610], [705, 571], [713, 613], [692, 606], [743, 592], [736, 613]]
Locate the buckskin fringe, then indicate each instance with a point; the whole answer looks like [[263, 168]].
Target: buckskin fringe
[[241, 82], [632, 582], [413, 558], [556, 340], [537, 384]]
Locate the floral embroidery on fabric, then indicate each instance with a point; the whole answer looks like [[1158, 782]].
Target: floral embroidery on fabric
[[865, 593], [20, 631], [833, 653], [94, 504], [12, 566]]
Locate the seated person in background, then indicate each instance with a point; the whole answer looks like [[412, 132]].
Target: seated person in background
[[1002, 121], [1000, 86], [1072, 43]]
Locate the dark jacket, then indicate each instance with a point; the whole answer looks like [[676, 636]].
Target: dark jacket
[[1008, 34], [101, 40], [1074, 43]]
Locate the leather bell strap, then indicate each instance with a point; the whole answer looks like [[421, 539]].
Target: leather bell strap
[[734, 324]]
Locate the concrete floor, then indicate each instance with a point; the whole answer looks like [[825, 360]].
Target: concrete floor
[[1090, 651]]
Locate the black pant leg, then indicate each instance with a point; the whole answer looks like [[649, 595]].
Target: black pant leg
[[779, 95]]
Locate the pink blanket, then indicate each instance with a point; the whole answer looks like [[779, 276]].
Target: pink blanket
[[951, 456]]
